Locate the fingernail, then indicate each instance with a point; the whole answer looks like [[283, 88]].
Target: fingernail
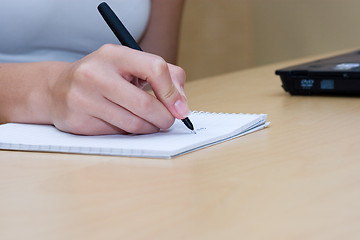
[[182, 108]]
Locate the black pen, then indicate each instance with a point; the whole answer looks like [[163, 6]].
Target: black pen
[[125, 38]]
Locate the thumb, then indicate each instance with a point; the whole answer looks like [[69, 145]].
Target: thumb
[[170, 96], [156, 72], [160, 80]]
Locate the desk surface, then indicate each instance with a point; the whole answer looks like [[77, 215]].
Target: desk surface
[[297, 179]]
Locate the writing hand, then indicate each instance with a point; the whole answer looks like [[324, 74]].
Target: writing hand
[[101, 93]]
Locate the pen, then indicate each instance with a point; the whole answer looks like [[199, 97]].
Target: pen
[[126, 39]]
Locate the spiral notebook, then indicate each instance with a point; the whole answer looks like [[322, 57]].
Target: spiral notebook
[[211, 128]]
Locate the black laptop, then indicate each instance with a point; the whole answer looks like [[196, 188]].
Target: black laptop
[[337, 75]]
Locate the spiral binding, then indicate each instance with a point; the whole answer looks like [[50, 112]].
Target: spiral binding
[[195, 112]]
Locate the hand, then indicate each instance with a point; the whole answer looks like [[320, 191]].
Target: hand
[[102, 93]]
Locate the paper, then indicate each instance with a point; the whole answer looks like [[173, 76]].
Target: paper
[[211, 128]]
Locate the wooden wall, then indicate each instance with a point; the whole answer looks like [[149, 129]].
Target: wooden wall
[[220, 36], [215, 37]]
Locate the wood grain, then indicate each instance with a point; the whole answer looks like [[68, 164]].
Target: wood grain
[[297, 179]]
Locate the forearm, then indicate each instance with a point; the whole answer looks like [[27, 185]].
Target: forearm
[[24, 92], [98, 94]]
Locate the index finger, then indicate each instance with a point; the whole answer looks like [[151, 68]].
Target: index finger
[[154, 70]]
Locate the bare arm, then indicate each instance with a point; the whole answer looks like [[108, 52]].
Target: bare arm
[[24, 91], [162, 35], [95, 95], [100, 94]]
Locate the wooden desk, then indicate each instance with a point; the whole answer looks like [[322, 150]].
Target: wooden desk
[[297, 179]]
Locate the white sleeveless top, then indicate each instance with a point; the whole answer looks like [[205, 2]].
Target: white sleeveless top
[[63, 30]]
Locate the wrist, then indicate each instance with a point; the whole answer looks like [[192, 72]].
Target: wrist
[[26, 95], [52, 72]]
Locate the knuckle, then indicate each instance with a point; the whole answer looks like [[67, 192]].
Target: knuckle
[[179, 74], [169, 92], [159, 66], [106, 49]]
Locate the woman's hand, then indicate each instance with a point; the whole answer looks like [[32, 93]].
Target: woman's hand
[[102, 93]]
